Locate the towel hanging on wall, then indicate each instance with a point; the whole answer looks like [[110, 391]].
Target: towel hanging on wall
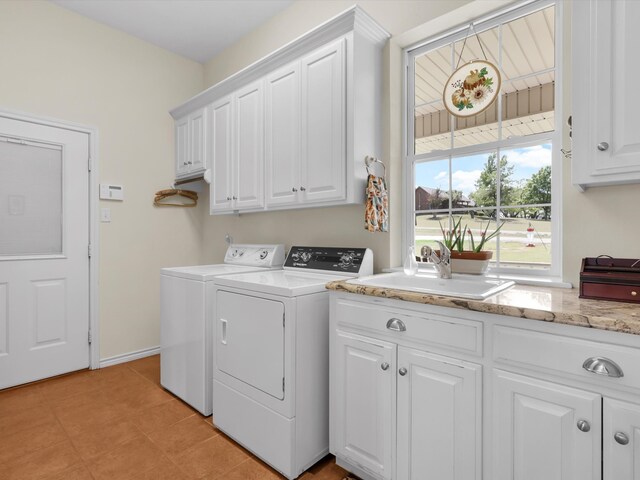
[[376, 215]]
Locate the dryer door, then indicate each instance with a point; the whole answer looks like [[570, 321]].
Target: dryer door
[[250, 341]]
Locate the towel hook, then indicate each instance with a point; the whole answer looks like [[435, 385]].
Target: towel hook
[[368, 161]]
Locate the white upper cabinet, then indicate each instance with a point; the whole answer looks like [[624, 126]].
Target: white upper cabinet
[[220, 148], [282, 136], [300, 139], [236, 151], [323, 163], [606, 126], [248, 178], [182, 146], [191, 144]]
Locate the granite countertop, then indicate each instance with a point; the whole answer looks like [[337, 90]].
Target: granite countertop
[[558, 305]]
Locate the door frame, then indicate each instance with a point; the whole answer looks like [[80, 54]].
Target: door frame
[[94, 237]]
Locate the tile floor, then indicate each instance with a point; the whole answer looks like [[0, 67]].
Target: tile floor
[[118, 423]]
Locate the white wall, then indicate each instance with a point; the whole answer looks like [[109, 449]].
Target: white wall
[[58, 64]]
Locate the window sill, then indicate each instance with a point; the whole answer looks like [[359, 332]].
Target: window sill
[[537, 280]]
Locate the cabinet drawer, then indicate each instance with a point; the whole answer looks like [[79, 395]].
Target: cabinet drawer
[[427, 329], [608, 291], [564, 355]]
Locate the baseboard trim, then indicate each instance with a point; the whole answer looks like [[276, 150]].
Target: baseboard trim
[[128, 357]]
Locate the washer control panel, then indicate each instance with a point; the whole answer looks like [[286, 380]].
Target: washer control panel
[[271, 256], [353, 261]]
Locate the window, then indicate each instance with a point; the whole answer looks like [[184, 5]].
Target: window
[[499, 168]]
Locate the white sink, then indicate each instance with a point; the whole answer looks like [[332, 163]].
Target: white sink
[[462, 286]]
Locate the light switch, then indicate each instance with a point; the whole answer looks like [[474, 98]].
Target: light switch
[[105, 215]]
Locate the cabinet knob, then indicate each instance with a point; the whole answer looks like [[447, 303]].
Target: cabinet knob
[[602, 146], [185, 163], [294, 189], [634, 293], [402, 371], [583, 426], [228, 198], [235, 198], [602, 366], [396, 325], [302, 189], [190, 163], [384, 366], [621, 438]]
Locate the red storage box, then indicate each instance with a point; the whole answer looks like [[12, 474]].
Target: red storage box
[[606, 278]]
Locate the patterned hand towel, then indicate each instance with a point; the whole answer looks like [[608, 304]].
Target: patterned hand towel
[[376, 215]]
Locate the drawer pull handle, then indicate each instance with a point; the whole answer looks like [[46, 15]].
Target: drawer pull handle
[[384, 366], [402, 371], [583, 426], [602, 366], [396, 325], [621, 438]]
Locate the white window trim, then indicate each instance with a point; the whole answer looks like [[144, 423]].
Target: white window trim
[[408, 127]]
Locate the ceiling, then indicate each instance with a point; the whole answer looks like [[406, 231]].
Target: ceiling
[[196, 29]]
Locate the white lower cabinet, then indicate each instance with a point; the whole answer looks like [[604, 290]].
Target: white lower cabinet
[[544, 430], [364, 390], [439, 414], [621, 440], [430, 393], [401, 412]]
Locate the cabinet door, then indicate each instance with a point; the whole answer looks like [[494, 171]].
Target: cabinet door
[[282, 142], [323, 161], [221, 156], [182, 146], [439, 417], [249, 147], [621, 421], [536, 433], [605, 40], [197, 139], [363, 388]]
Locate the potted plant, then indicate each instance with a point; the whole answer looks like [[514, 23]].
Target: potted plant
[[474, 260]]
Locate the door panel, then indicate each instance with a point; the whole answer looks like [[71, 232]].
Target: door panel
[[220, 146], [536, 434], [323, 167], [439, 413], [621, 461], [197, 125], [365, 403], [182, 146], [250, 341], [282, 140], [49, 313], [249, 168], [44, 266]]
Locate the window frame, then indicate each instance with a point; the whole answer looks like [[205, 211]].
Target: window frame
[[409, 159]]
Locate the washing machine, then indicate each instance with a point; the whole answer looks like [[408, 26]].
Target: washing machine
[[186, 313], [271, 355]]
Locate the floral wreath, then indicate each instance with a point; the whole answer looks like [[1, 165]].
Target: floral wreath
[[466, 94]]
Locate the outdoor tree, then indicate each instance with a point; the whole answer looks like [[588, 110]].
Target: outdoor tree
[[486, 185], [538, 190]]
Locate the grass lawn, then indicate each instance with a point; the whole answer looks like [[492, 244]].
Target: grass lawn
[[513, 236]]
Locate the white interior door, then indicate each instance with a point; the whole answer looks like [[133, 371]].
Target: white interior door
[[44, 239]]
